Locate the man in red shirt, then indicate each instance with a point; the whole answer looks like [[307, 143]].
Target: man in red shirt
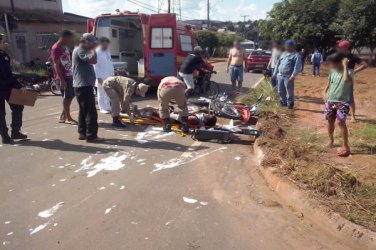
[[63, 72]]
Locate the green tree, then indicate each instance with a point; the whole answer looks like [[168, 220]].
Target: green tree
[[207, 39], [308, 22], [356, 22]]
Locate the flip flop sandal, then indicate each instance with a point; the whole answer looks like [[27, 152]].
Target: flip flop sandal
[[71, 122], [61, 121], [344, 153]]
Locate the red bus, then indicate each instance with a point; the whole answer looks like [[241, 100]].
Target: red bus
[[153, 46]]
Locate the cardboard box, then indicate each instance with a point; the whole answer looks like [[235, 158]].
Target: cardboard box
[[27, 99]]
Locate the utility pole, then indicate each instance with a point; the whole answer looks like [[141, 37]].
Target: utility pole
[[244, 18], [168, 6], [208, 6]]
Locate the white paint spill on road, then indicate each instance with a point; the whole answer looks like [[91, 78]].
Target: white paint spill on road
[[39, 228], [62, 180], [238, 158], [107, 210], [153, 133], [135, 222], [10, 233], [7, 222], [45, 139], [111, 163], [184, 159], [141, 160], [102, 188], [55, 224], [169, 222], [112, 184], [189, 200], [53, 185], [49, 212], [204, 203], [6, 243], [122, 187]]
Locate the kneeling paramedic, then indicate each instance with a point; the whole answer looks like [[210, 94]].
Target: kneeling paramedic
[[7, 83], [120, 90], [171, 88]]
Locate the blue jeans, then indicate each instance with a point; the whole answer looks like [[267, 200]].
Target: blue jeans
[[316, 69], [286, 90], [236, 73]]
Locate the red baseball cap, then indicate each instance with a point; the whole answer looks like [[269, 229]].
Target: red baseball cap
[[343, 44]]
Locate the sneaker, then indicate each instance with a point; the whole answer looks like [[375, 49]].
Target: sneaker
[[17, 135], [81, 137], [167, 128], [95, 140], [184, 127], [6, 139], [118, 124]]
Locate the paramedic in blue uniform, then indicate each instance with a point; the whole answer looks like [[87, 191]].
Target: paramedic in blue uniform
[[7, 83]]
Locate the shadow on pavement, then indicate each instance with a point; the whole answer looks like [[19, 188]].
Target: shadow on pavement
[[92, 149]]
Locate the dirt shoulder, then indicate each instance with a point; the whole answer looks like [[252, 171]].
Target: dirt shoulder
[[294, 144]]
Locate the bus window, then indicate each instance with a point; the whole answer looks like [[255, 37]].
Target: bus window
[[161, 38]]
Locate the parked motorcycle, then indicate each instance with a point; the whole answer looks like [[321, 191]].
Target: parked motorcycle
[[40, 83]]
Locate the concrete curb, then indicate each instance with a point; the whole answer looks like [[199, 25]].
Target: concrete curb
[[354, 235]]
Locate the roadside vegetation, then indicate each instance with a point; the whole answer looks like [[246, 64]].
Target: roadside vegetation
[[298, 154]]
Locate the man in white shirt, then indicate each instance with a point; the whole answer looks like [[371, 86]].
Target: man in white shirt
[[103, 69], [276, 53]]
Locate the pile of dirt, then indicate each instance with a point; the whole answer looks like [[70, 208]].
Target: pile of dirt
[[294, 159]]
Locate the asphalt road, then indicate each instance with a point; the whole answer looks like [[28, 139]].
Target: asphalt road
[[141, 189]]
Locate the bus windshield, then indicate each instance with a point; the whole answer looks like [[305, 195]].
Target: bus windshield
[[247, 46]]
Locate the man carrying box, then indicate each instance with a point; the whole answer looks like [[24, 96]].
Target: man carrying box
[[7, 83]]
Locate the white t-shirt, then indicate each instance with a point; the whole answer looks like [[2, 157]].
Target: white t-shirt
[[104, 67], [276, 53]]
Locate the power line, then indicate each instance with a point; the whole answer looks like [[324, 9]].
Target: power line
[[244, 17]]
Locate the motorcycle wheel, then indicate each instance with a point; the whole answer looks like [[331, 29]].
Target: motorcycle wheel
[[211, 89], [55, 89], [225, 110], [198, 101]]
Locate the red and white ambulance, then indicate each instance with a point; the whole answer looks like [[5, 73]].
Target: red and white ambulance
[[152, 46]]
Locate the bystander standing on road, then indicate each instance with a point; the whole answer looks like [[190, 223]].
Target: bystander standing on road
[[276, 53], [287, 68], [303, 56], [191, 63], [120, 90], [171, 88], [237, 65], [62, 62], [316, 60], [103, 69], [84, 57], [7, 83], [344, 47]]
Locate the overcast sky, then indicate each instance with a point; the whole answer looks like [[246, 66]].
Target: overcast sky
[[223, 10]]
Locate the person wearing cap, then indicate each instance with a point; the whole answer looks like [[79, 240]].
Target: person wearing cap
[[103, 69], [83, 59], [345, 47], [190, 65], [171, 88], [7, 83], [62, 62], [288, 67], [120, 90], [237, 65]]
